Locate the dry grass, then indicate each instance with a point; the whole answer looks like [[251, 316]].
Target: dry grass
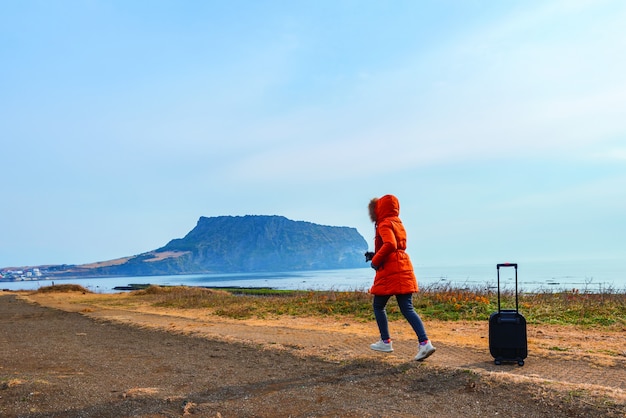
[[11, 383], [440, 303], [443, 303]]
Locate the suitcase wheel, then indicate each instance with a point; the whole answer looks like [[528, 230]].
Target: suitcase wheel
[[498, 362]]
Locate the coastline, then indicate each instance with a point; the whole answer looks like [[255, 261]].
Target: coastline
[[533, 277]]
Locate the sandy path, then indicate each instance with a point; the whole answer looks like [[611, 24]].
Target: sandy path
[[66, 355], [556, 354]]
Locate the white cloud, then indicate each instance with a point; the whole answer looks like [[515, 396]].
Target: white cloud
[[616, 154], [604, 195]]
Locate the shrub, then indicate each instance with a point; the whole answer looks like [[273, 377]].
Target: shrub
[[62, 288]]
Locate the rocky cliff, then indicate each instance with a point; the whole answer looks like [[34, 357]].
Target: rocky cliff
[[249, 243]]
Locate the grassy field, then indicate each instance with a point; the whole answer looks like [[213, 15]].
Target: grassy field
[[437, 302]]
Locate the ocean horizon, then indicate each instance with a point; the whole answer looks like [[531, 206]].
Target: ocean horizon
[[593, 277]]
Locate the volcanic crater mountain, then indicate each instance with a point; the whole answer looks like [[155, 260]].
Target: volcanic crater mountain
[[239, 244]]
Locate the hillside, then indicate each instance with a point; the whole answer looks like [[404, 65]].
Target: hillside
[[237, 244]]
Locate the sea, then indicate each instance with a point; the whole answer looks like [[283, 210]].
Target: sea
[[606, 276]]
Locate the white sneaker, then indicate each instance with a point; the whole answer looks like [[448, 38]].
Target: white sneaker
[[425, 351], [382, 346]]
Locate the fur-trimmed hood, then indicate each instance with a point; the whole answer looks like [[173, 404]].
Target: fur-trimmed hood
[[387, 206]]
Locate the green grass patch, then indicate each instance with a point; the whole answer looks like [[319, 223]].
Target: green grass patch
[[62, 288]]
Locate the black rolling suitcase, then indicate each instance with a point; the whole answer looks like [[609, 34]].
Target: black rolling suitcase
[[508, 341]]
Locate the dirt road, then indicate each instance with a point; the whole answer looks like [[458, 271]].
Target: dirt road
[[82, 360]]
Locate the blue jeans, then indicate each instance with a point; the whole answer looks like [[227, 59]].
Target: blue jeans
[[405, 302]]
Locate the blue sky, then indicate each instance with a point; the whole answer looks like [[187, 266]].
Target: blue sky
[[499, 125]]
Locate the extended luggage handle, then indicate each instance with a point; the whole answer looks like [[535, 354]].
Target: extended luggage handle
[[516, 299]]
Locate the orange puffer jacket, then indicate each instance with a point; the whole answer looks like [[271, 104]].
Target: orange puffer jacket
[[394, 274]]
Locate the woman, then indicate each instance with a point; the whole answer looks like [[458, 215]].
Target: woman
[[394, 275]]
